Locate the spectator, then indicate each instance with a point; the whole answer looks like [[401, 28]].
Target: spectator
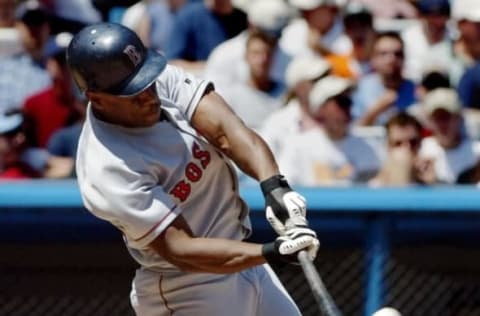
[[105, 6], [466, 14], [430, 81], [449, 149], [402, 165], [24, 74], [329, 154], [52, 108], [294, 118], [153, 21], [385, 91], [17, 159], [198, 28], [70, 15], [318, 31], [428, 43], [34, 28], [358, 24], [81, 12], [390, 9], [255, 99], [226, 64], [62, 145]]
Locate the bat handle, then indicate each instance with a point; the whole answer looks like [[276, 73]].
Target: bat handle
[[320, 293]]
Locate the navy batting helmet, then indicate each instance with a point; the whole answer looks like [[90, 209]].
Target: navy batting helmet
[[110, 58]]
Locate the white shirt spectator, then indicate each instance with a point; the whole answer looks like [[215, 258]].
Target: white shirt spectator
[[226, 64], [422, 57], [252, 105], [294, 40], [284, 121], [312, 159], [450, 163]]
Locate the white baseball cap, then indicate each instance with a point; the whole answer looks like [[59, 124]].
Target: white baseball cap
[[466, 10], [305, 68], [327, 88], [269, 15], [312, 4], [442, 98], [10, 122]]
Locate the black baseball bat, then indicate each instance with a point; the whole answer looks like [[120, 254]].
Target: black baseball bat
[[320, 293]]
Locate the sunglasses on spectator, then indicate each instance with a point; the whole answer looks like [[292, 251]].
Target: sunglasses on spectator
[[343, 100], [413, 142], [395, 53]]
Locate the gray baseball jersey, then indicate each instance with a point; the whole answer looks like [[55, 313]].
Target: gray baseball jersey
[[140, 179]]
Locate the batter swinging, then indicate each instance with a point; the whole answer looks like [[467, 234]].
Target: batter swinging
[[154, 160]]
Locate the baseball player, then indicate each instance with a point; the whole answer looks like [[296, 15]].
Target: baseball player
[[154, 160]]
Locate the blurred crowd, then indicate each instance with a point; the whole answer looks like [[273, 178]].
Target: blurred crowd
[[378, 93]]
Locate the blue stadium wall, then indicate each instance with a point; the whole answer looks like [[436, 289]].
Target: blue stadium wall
[[416, 249]]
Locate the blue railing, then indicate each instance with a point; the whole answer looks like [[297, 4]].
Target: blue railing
[[46, 211]]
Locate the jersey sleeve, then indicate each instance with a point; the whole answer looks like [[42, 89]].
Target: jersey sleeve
[[182, 88], [132, 202]]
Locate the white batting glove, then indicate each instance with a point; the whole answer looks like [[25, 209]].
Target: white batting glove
[[295, 232], [284, 208], [284, 248]]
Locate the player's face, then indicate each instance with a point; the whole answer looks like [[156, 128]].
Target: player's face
[[141, 110]]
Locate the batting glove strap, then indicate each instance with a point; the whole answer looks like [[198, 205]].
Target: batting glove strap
[[276, 181], [270, 252]]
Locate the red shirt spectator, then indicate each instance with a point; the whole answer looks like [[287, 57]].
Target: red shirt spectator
[[19, 171], [53, 108], [46, 113]]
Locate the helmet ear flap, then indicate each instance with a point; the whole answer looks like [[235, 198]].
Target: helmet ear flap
[[79, 80]]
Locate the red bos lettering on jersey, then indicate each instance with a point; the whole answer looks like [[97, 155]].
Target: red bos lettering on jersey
[[193, 173]]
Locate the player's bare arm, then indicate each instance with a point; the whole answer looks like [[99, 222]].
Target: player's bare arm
[[178, 246], [214, 119]]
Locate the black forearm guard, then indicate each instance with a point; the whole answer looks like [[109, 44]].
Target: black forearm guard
[[273, 189]]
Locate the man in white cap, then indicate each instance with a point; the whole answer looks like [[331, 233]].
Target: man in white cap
[[337, 157], [467, 15], [450, 150], [302, 72], [226, 64], [318, 31]]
